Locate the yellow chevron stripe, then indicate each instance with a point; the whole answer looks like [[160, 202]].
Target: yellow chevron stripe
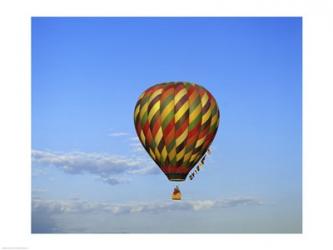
[[167, 110], [164, 153], [180, 94], [157, 154], [214, 120], [179, 114], [187, 156], [172, 154], [204, 100], [153, 110], [136, 112], [180, 155], [155, 93], [199, 142], [143, 110], [152, 153], [182, 137], [142, 137], [158, 136], [206, 116], [193, 157], [195, 113]]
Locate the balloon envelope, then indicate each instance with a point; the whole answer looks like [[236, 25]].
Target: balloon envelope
[[176, 122]]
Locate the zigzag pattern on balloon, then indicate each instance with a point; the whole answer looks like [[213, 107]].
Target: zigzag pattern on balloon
[[176, 122]]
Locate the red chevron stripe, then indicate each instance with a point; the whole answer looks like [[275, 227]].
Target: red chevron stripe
[[168, 169], [194, 131], [168, 128], [156, 126]]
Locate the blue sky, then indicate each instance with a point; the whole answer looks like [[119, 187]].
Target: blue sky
[[89, 174]]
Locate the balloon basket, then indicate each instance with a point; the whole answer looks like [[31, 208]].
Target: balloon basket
[[176, 194]]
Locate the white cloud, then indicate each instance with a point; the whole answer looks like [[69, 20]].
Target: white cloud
[[137, 147], [118, 134], [78, 206], [113, 180], [110, 168], [75, 215], [147, 171], [134, 138]]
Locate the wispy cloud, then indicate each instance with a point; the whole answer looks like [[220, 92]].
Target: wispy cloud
[[136, 147], [134, 138], [79, 206], [114, 180], [110, 168], [118, 134]]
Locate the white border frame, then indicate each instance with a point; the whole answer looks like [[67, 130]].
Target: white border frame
[[15, 109]]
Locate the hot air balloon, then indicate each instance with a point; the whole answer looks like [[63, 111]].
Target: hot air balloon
[[176, 122]]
